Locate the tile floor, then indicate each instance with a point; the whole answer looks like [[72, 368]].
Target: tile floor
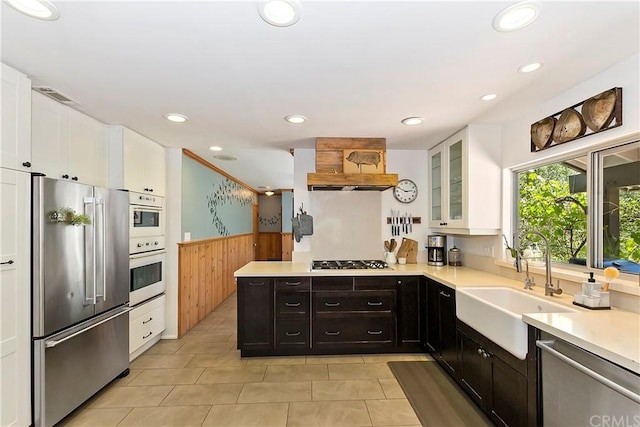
[[201, 380]]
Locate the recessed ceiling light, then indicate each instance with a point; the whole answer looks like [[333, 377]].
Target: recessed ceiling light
[[412, 121], [280, 13], [296, 119], [39, 9], [215, 148], [176, 118], [529, 68], [269, 193], [517, 16], [225, 157], [489, 97]]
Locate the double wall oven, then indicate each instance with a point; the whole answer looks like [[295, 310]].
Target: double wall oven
[[146, 247]]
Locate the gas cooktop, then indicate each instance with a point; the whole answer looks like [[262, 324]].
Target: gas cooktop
[[349, 265]]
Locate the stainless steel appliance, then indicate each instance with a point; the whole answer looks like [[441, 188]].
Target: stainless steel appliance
[[146, 215], [349, 265], [582, 389], [80, 293], [436, 250], [147, 272]]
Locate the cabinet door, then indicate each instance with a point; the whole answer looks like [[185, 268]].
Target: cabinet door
[[15, 309], [87, 149], [49, 137], [433, 317], [436, 196], [456, 185], [144, 164], [507, 398], [472, 366], [448, 330], [408, 310], [15, 146], [255, 316]]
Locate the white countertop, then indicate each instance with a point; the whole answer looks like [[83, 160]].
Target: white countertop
[[611, 334]]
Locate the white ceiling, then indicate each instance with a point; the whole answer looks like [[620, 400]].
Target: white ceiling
[[354, 68]]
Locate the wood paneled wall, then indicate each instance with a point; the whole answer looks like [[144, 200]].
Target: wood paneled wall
[[287, 246], [205, 269], [269, 247]]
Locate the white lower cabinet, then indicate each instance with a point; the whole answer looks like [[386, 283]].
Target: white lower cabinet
[[146, 323], [15, 298]]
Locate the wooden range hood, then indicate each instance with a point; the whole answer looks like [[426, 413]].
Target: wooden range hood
[[330, 160]]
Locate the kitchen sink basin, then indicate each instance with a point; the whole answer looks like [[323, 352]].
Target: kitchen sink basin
[[497, 314]]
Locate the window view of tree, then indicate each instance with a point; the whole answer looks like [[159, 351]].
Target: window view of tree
[[548, 205], [552, 200]]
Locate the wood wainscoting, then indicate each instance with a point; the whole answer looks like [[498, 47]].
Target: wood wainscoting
[[205, 270], [287, 246], [269, 247]]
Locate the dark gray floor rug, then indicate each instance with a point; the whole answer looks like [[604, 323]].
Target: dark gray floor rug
[[436, 399]]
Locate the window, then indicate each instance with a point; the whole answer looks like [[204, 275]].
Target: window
[[587, 206]]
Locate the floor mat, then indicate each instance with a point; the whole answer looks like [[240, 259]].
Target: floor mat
[[436, 398]]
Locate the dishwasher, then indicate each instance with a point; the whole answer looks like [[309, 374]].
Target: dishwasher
[[582, 389]]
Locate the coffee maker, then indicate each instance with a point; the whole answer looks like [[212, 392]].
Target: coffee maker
[[436, 250]]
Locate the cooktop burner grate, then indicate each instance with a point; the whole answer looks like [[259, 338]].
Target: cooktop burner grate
[[348, 265]]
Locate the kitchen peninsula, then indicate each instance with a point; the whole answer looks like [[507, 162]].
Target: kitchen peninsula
[[619, 345]]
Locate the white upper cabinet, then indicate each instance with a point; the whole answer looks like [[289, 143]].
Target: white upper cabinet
[[465, 176], [142, 160], [15, 146], [68, 144]]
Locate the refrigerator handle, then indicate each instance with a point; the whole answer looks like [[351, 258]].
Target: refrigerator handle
[[53, 343], [101, 251], [90, 252]]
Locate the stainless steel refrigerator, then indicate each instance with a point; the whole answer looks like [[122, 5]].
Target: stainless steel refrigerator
[[80, 293]]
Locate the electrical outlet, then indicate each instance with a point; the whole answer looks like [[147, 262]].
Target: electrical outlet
[[489, 251]]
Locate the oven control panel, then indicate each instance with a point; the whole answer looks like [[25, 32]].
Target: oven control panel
[[146, 244]]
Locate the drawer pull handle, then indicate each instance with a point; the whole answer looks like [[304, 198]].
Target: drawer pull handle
[[256, 284], [292, 334], [292, 304], [332, 333], [144, 322], [377, 303], [374, 332], [331, 304], [292, 283], [445, 294], [7, 262], [147, 336]]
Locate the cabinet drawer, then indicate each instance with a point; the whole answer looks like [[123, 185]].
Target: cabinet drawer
[[360, 301], [292, 304], [293, 283], [350, 330], [292, 333], [146, 333], [329, 283], [140, 322]]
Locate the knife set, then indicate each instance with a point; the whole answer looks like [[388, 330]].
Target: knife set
[[401, 224]]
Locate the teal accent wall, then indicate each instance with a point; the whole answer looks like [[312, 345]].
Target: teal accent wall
[[287, 211], [212, 204]]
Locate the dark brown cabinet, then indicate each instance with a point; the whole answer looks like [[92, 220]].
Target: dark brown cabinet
[[292, 314], [493, 378], [410, 312], [330, 314], [441, 325], [255, 320]]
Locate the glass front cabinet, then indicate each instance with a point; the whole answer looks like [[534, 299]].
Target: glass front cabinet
[[465, 177]]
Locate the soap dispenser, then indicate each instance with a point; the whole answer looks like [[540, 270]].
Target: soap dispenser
[[590, 285]]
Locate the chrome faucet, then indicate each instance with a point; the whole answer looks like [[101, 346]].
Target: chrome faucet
[[529, 282], [549, 289]]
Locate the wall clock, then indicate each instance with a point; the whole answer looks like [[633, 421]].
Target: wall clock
[[406, 191]]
